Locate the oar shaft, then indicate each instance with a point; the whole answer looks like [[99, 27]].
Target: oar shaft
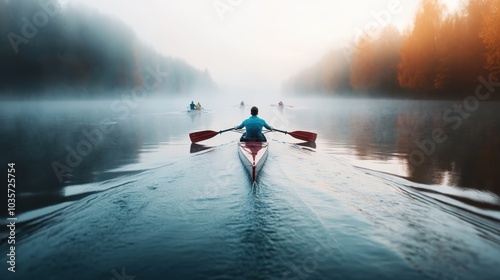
[[226, 130], [279, 130]]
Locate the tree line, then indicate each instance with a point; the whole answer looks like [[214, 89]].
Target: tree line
[[441, 55], [71, 51]]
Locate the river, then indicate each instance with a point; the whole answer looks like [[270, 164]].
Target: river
[[392, 189]]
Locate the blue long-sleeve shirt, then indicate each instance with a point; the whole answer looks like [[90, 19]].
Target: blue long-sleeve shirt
[[254, 126]]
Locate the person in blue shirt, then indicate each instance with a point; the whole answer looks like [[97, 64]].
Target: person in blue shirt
[[253, 126], [191, 106]]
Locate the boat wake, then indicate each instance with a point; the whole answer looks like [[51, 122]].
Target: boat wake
[[204, 210]]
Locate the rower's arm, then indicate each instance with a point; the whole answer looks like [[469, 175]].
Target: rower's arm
[[267, 126], [240, 126]]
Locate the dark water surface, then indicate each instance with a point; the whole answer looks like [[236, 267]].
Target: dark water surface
[[390, 189]]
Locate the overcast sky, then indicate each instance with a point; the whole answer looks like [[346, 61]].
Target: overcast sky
[[258, 43]]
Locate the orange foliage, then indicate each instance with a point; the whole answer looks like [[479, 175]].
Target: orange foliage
[[449, 53], [490, 34], [443, 53], [419, 54], [374, 64]]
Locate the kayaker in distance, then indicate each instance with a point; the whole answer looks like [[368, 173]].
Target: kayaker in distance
[[192, 105], [253, 126], [242, 103], [280, 103]]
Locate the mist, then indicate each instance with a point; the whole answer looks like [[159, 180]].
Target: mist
[[71, 51], [373, 154], [232, 46]]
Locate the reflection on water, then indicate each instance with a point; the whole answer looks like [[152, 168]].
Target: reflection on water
[[195, 148], [308, 144], [395, 137], [396, 133], [337, 207]]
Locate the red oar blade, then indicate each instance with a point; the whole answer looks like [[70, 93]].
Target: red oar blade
[[202, 135], [304, 135]]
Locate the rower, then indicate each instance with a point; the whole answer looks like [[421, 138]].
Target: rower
[[192, 105], [253, 126]]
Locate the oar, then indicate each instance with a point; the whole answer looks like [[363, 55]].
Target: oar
[[205, 134], [302, 135], [195, 148], [305, 144]]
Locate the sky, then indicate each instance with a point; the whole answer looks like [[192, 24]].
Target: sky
[[254, 44]]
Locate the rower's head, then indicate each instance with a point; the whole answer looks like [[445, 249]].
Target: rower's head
[[254, 111]]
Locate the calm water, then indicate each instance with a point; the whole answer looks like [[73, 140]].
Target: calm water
[[375, 197]]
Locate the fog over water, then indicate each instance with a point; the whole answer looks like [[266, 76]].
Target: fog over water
[[350, 196], [104, 181], [256, 44]]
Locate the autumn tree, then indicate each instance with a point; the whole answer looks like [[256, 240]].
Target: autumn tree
[[471, 47], [418, 50], [448, 50], [443, 53], [374, 65], [490, 35], [388, 57], [363, 65]]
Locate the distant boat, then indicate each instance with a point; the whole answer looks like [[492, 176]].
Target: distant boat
[[195, 110], [281, 105]]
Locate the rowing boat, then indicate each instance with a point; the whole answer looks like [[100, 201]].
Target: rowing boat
[[253, 155]]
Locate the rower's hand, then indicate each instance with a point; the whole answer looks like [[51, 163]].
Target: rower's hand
[[236, 127]]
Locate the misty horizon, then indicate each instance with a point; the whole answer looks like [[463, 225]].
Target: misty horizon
[[252, 45]]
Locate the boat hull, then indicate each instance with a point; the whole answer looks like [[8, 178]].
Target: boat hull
[[253, 155]]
